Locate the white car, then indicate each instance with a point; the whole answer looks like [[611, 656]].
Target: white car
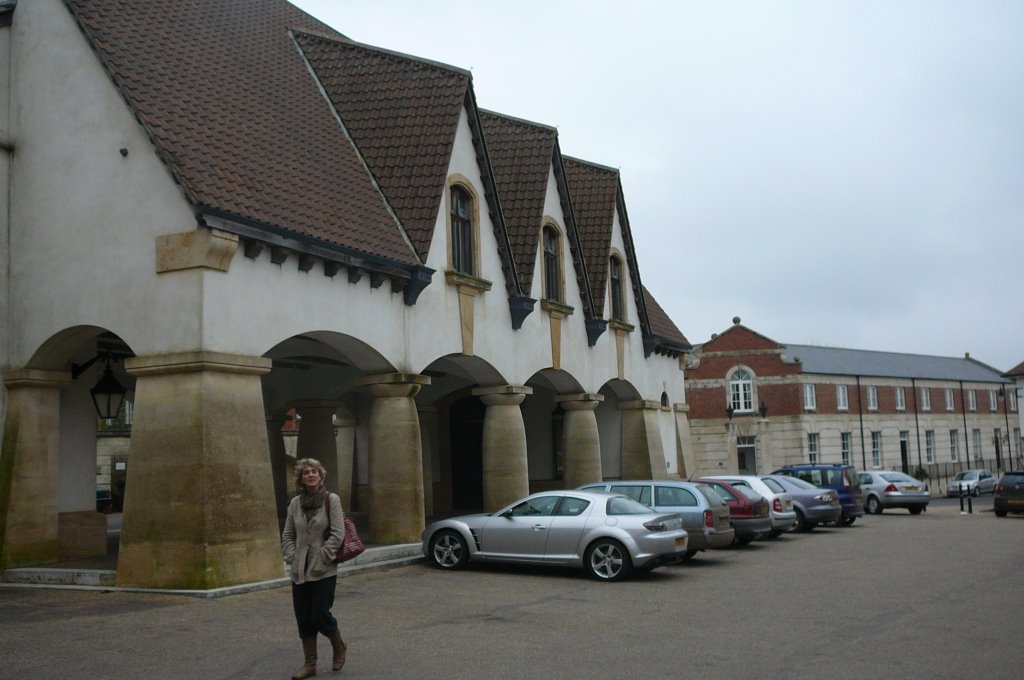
[[972, 482], [780, 502]]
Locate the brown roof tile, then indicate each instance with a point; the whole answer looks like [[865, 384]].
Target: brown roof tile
[[594, 191], [402, 113], [662, 325], [232, 110], [521, 154]]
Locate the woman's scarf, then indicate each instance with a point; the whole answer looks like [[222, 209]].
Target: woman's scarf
[[312, 502]]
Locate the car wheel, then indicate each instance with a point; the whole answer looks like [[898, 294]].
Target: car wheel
[[742, 540], [607, 560], [1000, 513], [801, 521], [448, 549], [847, 521], [916, 511], [975, 492], [873, 506]]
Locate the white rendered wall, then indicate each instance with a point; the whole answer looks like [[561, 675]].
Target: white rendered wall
[[84, 219]]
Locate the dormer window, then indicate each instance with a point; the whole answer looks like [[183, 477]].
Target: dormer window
[[552, 265], [461, 216], [615, 281]]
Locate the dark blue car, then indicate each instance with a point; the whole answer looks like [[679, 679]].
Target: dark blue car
[[842, 478]]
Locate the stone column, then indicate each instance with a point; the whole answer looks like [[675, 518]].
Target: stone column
[[581, 439], [763, 453], [506, 475], [316, 436], [28, 468], [395, 458], [643, 455], [199, 499], [281, 467], [345, 445]]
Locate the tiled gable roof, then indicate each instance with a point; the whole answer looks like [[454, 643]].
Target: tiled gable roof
[[1017, 370], [227, 101], [594, 192], [521, 155], [662, 325], [868, 363], [402, 114]]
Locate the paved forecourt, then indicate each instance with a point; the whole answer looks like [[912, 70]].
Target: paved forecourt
[[930, 596]]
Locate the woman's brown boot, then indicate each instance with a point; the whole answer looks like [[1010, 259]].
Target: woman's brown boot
[[339, 647], [308, 669]]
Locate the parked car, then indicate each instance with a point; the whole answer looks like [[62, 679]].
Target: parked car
[[885, 490], [608, 535], [705, 515], [780, 503], [1008, 495], [972, 483], [842, 478], [813, 505], [748, 510]]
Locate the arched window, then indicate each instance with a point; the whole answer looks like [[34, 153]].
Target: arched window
[[741, 391], [462, 230], [552, 266], [615, 280]]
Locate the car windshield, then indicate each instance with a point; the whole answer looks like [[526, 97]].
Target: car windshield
[[898, 477], [749, 493], [713, 498], [620, 505], [773, 485], [797, 482], [1013, 478], [966, 474]]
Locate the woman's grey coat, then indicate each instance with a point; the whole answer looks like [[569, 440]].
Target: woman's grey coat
[[309, 557]]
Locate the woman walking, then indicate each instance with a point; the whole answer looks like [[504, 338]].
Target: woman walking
[[313, 532]]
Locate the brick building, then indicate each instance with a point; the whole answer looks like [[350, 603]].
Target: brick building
[[756, 404]]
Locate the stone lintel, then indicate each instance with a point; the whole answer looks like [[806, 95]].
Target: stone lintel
[[640, 404], [502, 389], [195, 361], [556, 309], [201, 248], [31, 377], [681, 408]]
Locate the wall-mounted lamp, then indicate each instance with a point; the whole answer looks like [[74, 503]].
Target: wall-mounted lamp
[[763, 410], [108, 393], [729, 410]]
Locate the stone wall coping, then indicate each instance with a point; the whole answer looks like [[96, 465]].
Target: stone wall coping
[[394, 378], [585, 396]]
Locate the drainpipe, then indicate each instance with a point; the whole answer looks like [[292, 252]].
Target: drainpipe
[[860, 416], [1006, 417], [917, 423], [967, 434]]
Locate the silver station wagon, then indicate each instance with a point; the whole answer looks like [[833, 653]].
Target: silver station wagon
[[705, 515], [608, 535]]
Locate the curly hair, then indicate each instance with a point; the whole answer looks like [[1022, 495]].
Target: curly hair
[[302, 464]]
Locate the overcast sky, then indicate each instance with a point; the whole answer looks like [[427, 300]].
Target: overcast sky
[[844, 173]]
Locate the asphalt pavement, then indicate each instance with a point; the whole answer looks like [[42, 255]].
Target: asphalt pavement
[[937, 595]]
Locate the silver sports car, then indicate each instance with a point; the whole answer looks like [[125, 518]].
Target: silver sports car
[[607, 534]]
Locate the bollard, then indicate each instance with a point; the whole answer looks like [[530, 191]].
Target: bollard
[[970, 506], [962, 501]]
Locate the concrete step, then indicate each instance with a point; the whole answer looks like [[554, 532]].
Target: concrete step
[[374, 558]]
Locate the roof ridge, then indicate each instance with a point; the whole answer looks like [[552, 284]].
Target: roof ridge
[[440, 65], [523, 121]]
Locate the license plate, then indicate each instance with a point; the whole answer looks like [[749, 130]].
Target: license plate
[[681, 542], [911, 488], [1015, 501], [789, 505]]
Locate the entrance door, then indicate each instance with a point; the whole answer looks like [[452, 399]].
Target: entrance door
[[746, 458], [905, 452]]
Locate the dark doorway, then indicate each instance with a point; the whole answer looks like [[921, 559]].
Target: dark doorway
[[466, 428], [746, 457], [905, 453]]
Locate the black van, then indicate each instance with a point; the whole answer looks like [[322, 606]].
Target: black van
[[842, 478]]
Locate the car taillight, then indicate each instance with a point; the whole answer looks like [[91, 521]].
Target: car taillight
[[999, 488], [925, 487], [891, 488], [709, 519], [669, 523], [777, 504]]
